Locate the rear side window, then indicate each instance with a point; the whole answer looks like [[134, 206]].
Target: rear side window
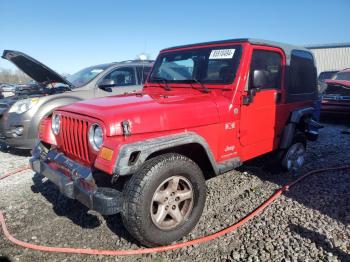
[[302, 73], [142, 73], [271, 64]]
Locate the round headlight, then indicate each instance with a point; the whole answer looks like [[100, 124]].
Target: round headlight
[[96, 137], [55, 124]]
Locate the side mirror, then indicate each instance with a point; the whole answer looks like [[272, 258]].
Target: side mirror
[[107, 85], [260, 79]]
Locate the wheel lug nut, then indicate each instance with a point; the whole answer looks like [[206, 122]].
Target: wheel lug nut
[[177, 199], [172, 194], [166, 199], [173, 207], [167, 207]]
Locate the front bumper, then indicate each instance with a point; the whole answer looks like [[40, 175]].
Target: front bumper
[[75, 181], [336, 106], [17, 131]]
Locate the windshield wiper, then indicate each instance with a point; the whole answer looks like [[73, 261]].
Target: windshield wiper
[[204, 89], [165, 82]]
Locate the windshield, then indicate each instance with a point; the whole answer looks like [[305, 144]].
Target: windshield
[[343, 76], [85, 75], [326, 75], [215, 65]]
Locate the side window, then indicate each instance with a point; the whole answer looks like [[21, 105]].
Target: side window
[[302, 73], [268, 63], [220, 70], [124, 76], [142, 73]]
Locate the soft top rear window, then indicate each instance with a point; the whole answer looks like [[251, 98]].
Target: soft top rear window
[[213, 65]]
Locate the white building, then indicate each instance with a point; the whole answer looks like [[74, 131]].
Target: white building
[[331, 56]]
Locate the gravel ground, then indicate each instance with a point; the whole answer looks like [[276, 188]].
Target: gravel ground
[[308, 223]]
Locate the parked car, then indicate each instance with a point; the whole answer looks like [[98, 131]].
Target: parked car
[[8, 89], [326, 75], [336, 96], [322, 77], [22, 113], [205, 109], [1, 94]]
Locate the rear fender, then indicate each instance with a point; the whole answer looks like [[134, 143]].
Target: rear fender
[[300, 119]]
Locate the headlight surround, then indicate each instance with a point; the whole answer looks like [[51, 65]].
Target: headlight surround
[[24, 105], [55, 124], [96, 137]]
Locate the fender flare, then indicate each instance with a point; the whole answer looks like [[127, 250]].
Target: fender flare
[[298, 114], [289, 129], [149, 146]]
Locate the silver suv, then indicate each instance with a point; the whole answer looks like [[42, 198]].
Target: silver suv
[[20, 115]]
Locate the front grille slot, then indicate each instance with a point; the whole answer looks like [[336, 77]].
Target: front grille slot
[[74, 137]]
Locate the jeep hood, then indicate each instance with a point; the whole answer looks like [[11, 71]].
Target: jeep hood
[[33, 68], [149, 113]]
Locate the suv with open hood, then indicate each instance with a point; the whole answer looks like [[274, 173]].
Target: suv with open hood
[[336, 96], [205, 109], [21, 114]]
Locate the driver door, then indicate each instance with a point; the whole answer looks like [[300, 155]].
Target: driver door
[[260, 126]]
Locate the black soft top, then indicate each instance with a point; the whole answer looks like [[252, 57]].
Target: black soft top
[[287, 48]]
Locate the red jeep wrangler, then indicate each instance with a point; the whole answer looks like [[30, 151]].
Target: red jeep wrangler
[[205, 109]]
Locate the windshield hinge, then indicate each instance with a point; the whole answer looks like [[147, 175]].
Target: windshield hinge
[[126, 128]]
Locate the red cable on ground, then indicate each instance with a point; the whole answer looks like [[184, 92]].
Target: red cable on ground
[[163, 248], [15, 172]]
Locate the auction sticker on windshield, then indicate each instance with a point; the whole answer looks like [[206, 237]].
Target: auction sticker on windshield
[[222, 54]]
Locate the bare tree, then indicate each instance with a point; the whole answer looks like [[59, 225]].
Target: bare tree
[[143, 56], [16, 76]]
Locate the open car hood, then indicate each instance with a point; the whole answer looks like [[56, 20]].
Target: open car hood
[[345, 83], [337, 88], [33, 68]]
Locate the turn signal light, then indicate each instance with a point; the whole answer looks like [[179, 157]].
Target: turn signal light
[[106, 153]]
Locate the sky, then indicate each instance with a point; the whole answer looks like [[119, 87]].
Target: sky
[[68, 35]]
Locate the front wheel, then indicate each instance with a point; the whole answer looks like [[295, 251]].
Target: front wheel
[[164, 200]]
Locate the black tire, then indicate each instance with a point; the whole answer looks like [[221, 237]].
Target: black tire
[[298, 141], [277, 159], [139, 193]]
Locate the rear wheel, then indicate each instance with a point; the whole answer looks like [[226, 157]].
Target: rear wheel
[[294, 157], [164, 200], [290, 159]]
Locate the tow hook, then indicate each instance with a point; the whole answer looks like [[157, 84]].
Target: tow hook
[[115, 178]]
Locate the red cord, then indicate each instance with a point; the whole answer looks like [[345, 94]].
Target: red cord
[[163, 248], [20, 169]]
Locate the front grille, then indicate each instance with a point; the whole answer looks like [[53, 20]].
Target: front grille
[[74, 137]]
